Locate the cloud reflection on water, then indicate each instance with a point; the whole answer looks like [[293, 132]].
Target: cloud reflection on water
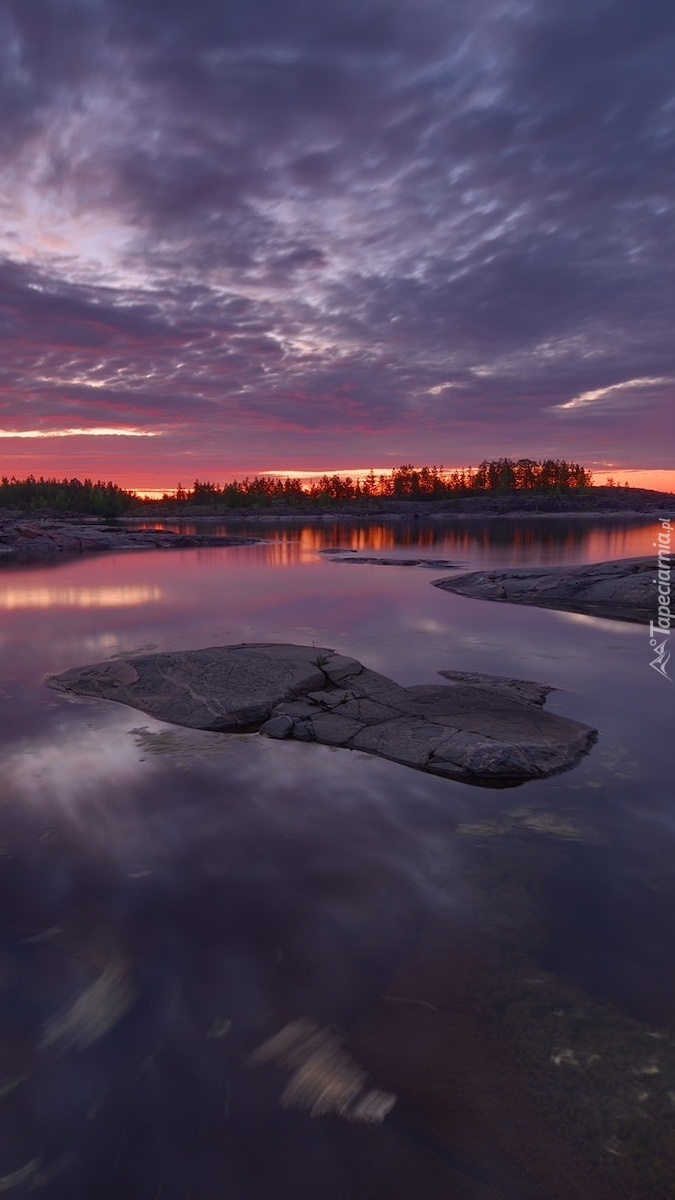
[[124, 596], [241, 884], [233, 890]]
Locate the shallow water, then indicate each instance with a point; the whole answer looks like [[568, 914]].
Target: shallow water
[[496, 960]]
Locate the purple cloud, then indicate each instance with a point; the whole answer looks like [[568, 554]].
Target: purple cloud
[[319, 233]]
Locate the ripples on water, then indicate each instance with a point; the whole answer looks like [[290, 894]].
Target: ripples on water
[[494, 964]]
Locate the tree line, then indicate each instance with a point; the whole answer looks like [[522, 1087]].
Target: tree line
[[65, 495], [407, 482]]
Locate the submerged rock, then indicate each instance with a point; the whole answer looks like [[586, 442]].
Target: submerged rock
[[478, 728], [623, 590], [379, 560]]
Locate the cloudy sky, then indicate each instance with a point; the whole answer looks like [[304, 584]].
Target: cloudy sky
[[309, 234]]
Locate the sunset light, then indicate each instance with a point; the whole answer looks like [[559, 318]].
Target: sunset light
[[94, 431], [337, 667], [407, 266]]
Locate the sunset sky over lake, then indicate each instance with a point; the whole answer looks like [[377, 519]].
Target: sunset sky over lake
[[238, 237]]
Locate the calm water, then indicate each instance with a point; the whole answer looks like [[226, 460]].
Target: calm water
[[500, 961]]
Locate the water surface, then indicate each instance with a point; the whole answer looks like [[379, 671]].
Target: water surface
[[498, 960]]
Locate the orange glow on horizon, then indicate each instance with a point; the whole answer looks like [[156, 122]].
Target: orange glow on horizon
[[154, 477], [654, 479]]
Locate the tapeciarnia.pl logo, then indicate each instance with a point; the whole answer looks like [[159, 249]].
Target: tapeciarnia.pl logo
[[657, 641]]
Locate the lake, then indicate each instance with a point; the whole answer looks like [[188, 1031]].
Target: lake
[[497, 963]]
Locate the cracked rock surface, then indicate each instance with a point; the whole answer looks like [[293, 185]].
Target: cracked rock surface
[[477, 728], [623, 590]]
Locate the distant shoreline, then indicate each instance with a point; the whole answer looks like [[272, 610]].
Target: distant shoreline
[[33, 538], [602, 501], [232, 516]]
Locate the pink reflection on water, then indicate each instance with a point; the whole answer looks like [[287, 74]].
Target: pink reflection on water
[[499, 541], [244, 887]]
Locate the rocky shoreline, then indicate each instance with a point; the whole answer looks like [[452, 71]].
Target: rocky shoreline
[[26, 540], [620, 590]]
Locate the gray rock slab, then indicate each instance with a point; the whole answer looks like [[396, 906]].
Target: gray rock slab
[[278, 727], [339, 668], [476, 728], [303, 732], [219, 687], [522, 689], [296, 708], [406, 739], [439, 700], [623, 590], [366, 711], [482, 757], [333, 730], [370, 685]]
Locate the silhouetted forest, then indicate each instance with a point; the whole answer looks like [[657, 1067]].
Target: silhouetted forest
[[407, 482], [66, 495], [552, 476]]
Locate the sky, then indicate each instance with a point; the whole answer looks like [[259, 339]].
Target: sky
[[250, 235]]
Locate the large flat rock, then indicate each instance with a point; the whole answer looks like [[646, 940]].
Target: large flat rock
[[623, 590], [477, 728], [221, 688]]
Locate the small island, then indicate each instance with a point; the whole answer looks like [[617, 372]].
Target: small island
[[481, 729]]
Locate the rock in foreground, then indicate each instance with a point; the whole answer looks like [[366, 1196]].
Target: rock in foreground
[[476, 728], [622, 591]]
